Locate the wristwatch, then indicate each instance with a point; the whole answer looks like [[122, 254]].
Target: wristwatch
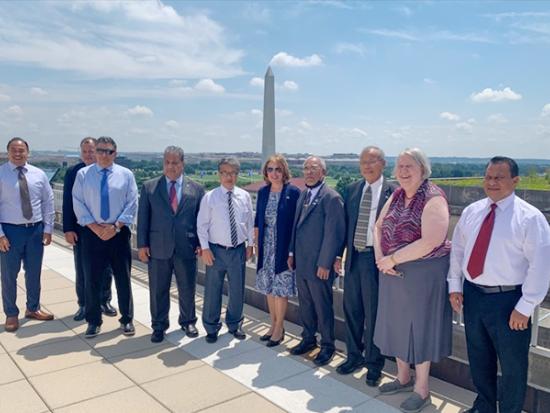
[[117, 229]]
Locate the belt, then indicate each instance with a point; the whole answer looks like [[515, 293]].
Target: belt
[[366, 249], [27, 225], [494, 289], [228, 248]]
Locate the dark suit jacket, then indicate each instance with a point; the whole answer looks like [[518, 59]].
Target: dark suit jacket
[[352, 200], [69, 217], [318, 236], [285, 219], [167, 233]]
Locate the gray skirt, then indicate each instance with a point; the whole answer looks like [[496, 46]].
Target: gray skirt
[[414, 319]]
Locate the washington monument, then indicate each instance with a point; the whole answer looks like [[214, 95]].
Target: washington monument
[[268, 133]]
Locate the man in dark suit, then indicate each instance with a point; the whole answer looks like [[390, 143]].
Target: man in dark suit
[[73, 231], [317, 238], [168, 242], [363, 202]]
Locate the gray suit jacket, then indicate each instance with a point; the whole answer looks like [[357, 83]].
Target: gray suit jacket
[[318, 233], [167, 233], [352, 200]]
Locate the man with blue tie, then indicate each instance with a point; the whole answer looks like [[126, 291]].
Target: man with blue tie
[[73, 231], [26, 225], [225, 225], [105, 203]]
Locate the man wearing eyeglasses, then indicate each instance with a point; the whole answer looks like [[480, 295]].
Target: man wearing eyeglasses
[[225, 226], [105, 203], [317, 238], [73, 232], [363, 202]]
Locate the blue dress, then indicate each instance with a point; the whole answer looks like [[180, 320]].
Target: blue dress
[[267, 282]]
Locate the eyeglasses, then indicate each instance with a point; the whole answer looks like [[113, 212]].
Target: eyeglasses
[[269, 169], [105, 151], [312, 168], [228, 174]]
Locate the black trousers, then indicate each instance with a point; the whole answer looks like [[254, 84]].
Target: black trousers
[[316, 311], [488, 338], [360, 305], [160, 278], [106, 295], [98, 255]]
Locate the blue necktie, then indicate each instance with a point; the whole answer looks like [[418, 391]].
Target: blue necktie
[[104, 196]]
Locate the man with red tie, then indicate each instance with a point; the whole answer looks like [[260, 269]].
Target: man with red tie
[[499, 272]]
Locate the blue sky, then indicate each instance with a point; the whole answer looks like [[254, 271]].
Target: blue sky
[[453, 78]]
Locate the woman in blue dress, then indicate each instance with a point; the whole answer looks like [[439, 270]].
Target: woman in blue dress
[[275, 209]]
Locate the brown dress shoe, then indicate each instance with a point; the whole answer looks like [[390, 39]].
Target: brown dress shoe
[[12, 324], [39, 315]]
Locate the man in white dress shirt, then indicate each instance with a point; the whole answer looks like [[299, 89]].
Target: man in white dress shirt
[[499, 272], [225, 227]]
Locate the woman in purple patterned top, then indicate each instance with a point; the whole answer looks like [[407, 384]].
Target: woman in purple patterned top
[[412, 253]]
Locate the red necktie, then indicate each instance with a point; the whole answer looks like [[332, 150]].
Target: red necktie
[[479, 252], [173, 197]]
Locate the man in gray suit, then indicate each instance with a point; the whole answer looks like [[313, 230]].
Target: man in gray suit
[[317, 238], [363, 202], [168, 242]]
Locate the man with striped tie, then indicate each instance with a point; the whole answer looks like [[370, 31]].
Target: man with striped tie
[[167, 242], [363, 202], [225, 226], [105, 203]]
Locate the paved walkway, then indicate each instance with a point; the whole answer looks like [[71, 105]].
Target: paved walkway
[[51, 367]]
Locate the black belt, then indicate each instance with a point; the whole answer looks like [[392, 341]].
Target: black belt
[[494, 289], [228, 248], [366, 249], [27, 225]]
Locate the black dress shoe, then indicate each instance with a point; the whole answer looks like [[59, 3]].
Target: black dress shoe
[[302, 348], [349, 366], [92, 331], [211, 337], [108, 310], [128, 329], [273, 343], [373, 379], [239, 334], [265, 337], [324, 356], [157, 336], [190, 330], [80, 314]]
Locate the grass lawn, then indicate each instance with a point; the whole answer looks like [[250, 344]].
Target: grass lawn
[[538, 183]]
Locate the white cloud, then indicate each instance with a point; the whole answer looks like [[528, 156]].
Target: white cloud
[[453, 117], [490, 95], [4, 97], [497, 118], [284, 59], [283, 112], [172, 124], [256, 112], [464, 127], [404, 10], [393, 34], [305, 125], [38, 91], [546, 110], [140, 111], [257, 81], [177, 82], [290, 85], [15, 111], [208, 85], [257, 12], [124, 39], [429, 81], [355, 48], [357, 132]]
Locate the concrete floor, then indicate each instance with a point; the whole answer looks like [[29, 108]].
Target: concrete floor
[[51, 367]]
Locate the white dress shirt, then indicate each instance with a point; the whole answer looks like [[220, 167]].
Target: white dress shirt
[[519, 249], [213, 224], [376, 190]]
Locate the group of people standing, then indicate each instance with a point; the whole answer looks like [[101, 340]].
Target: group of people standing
[[402, 278]]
